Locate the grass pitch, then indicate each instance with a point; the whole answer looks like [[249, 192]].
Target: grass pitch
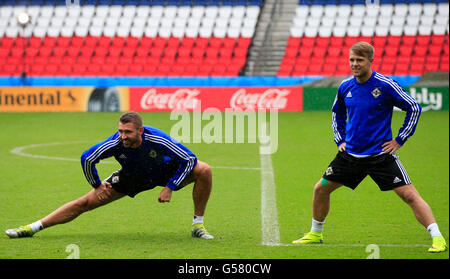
[[33, 186]]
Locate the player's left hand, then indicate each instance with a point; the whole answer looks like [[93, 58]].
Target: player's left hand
[[390, 146], [165, 195]]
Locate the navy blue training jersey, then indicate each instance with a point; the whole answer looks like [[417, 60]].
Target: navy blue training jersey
[[362, 114], [157, 154]]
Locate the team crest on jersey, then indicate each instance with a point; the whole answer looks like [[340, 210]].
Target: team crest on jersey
[[329, 171], [152, 153], [376, 92], [115, 179]]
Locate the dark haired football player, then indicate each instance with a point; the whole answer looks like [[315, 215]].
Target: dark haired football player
[[148, 158]]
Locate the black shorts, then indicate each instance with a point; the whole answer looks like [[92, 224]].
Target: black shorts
[[131, 185], [386, 170]]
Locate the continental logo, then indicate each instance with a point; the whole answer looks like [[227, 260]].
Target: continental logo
[[35, 99]]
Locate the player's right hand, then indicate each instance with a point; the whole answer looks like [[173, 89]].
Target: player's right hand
[[103, 191]]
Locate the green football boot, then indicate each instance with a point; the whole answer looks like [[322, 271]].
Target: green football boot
[[310, 238]]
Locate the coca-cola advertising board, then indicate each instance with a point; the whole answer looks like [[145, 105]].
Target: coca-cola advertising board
[[221, 98]]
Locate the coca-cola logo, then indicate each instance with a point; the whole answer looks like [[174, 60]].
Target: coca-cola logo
[[272, 98], [181, 99]]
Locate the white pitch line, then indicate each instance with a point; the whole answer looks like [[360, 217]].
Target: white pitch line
[[269, 214], [20, 150], [351, 245]]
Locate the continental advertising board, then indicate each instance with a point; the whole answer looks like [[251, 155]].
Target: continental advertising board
[[63, 99]]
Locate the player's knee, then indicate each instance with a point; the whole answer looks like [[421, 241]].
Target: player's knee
[[410, 197], [205, 171], [82, 204], [318, 189]]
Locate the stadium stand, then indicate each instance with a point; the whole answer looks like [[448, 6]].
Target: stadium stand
[[127, 37], [212, 37], [410, 37]]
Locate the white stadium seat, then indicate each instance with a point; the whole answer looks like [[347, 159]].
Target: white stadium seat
[[47, 11], [252, 11], [143, 11], [414, 9], [211, 11], [410, 30], [225, 11], [302, 11], [353, 31], [296, 32], [400, 10], [156, 11], [183, 12], [429, 9], [395, 30], [197, 11], [386, 10], [339, 31], [86, 11], [330, 11], [316, 10], [129, 11], [102, 11], [358, 10], [443, 9], [425, 30]]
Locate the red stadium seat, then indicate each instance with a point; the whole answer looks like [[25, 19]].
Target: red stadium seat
[[244, 42], [76, 41], [215, 42], [188, 42], [337, 41], [322, 41], [416, 69], [73, 51], [315, 69], [131, 42], [379, 42], [408, 40], [308, 42], [334, 51], [405, 50], [393, 40], [104, 42], [201, 42], [291, 51], [294, 41], [423, 40], [118, 41], [229, 42], [148, 70], [136, 70], [191, 70], [146, 42], [435, 50], [6, 42], [114, 51], [36, 70], [91, 41], [305, 52], [35, 42], [420, 50]]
